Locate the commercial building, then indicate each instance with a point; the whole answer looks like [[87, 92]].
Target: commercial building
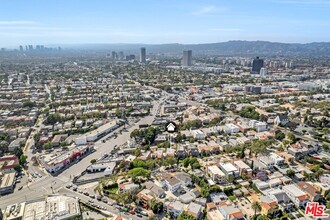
[[187, 58], [257, 64], [7, 183], [106, 167], [143, 55], [53, 207], [8, 163], [56, 162], [97, 133]]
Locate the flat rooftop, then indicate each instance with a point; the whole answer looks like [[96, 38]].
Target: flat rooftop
[[8, 180]]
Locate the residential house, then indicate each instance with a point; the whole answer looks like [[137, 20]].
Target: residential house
[[267, 161], [128, 187], [243, 168], [230, 212], [184, 178], [193, 151], [278, 160], [297, 196], [229, 169], [216, 174], [181, 152], [195, 210], [17, 143], [170, 182], [281, 119], [174, 208], [309, 189], [267, 204]]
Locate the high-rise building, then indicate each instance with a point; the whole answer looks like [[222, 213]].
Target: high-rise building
[[143, 55], [263, 71], [121, 55], [21, 48], [257, 64], [114, 55], [187, 58]]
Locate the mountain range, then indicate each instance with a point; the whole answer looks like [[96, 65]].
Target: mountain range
[[223, 48]]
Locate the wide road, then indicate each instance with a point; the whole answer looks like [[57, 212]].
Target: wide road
[[49, 184], [85, 199]]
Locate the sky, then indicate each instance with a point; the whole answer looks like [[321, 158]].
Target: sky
[[162, 21]]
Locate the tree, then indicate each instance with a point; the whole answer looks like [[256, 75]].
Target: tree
[[53, 119], [47, 146], [280, 136], [185, 216], [169, 161], [249, 112], [262, 217], [93, 161], [230, 178], [290, 173], [22, 160], [136, 172], [291, 137], [156, 207], [256, 207]]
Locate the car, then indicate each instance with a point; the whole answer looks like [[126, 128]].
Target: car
[[144, 213], [139, 215], [86, 193], [68, 186], [104, 200], [132, 212], [92, 196]]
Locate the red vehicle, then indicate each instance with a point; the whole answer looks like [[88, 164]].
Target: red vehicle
[[132, 212]]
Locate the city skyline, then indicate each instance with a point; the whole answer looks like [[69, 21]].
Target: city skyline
[[158, 22]]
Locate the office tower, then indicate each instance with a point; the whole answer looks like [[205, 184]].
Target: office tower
[[142, 55], [187, 56], [30, 47], [257, 64], [38, 47], [114, 55], [21, 48], [226, 67], [121, 55], [263, 71]]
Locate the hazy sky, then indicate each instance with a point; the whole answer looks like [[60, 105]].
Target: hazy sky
[[162, 21]]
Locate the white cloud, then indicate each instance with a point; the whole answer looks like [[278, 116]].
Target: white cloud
[[17, 23], [206, 10]]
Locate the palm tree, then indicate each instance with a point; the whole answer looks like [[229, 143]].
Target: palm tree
[[256, 207]]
